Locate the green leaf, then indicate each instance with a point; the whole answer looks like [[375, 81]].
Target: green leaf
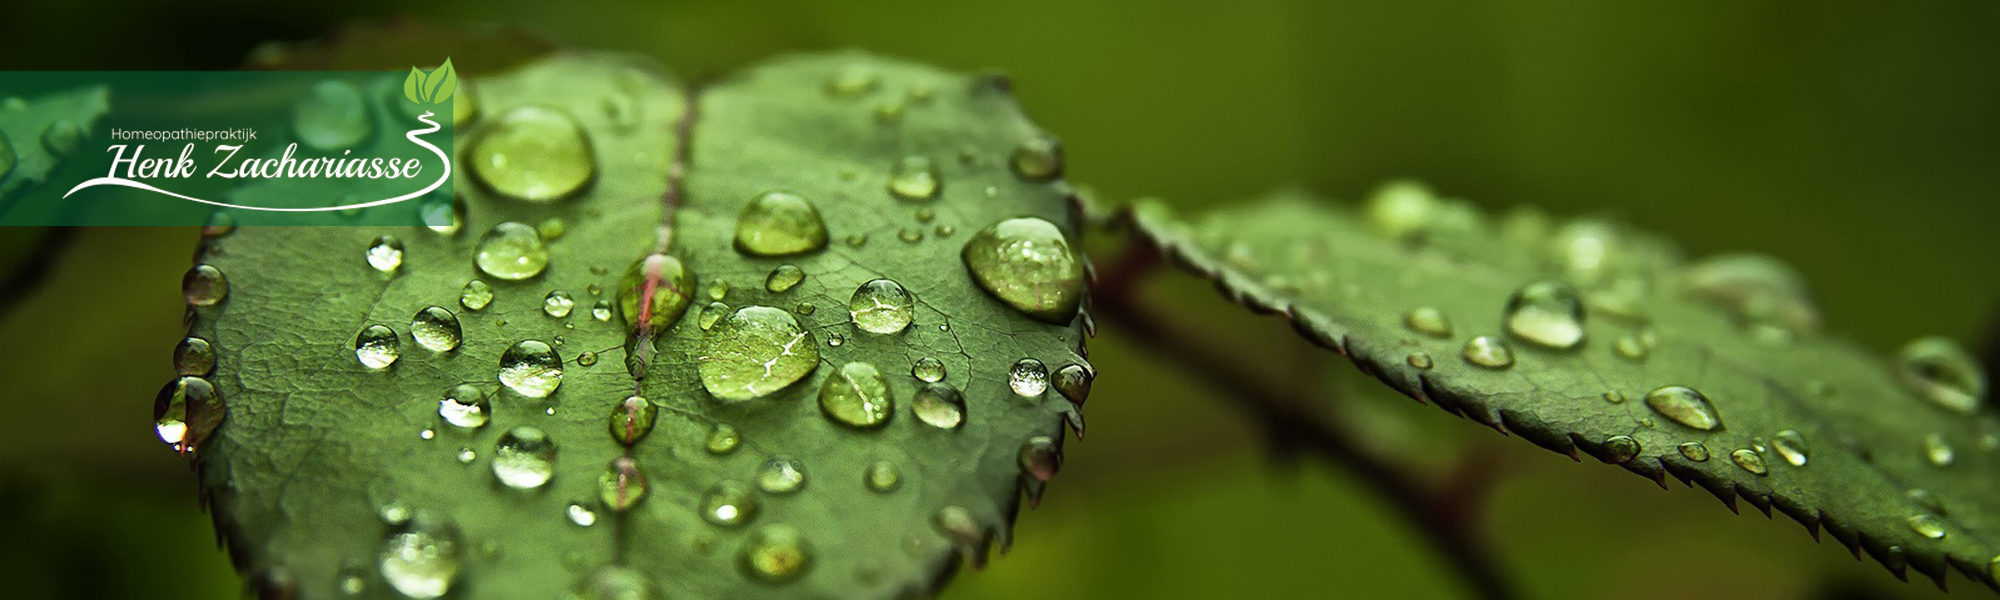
[[441, 82], [35, 135], [1834, 436], [317, 448], [412, 86]]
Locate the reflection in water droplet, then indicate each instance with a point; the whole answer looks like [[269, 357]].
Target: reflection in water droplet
[[1489, 352], [1749, 460], [1073, 382], [377, 346], [465, 406], [783, 278], [531, 368], [421, 559], [1037, 159], [1028, 378], [194, 356], [781, 475], [622, 485], [928, 370], [655, 291], [1428, 321], [475, 296], [1686, 406], [204, 285], [1940, 371], [881, 306], [186, 411], [779, 224], [386, 254], [755, 351], [534, 153], [601, 310], [722, 439], [1028, 264], [632, 419], [1790, 446], [511, 251], [1546, 313], [776, 553], [436, 329], [466, 456], [883, 476], [557, 304], [1937, 450], [524, 458], [1620, 449], [1694, 451], [914, 178], [332, 116], [1927, 526], [939, 405], [729, 504], [714, 312], [856, 396], [1039, 457], [580, 514]]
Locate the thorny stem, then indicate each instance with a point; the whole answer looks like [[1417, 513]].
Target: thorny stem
[[1442, 512]]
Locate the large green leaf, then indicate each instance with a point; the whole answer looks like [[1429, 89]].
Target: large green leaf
[[323, 464], [1880, 452]]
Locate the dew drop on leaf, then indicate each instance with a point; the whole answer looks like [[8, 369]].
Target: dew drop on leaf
[[939, 405], [443, 214], [779, 224], [1750, 460], [436, 329], [1546, 313], [531, 368], [1686, 406], [1037, 159], [632, 419], [557, 304], [1428, 320], [783, 278], [1488, 352], [715, 311], [1938, 451], [613, 582], [781, 475], [386, 254], [524, 458], [204, 285], [194, 356], [186, 411], [1073, 382], [1038, 457], [1927, 525], [856, 396], [927, 369], [1420, 360], [475, 295], [1029, 265], [1940, 371], [755, 351], [882, 476], [1694, 451], [465, 406], [881, 306], [421, 559], [511, 251], [1620, 449], [601, 310], [1629, 347], [722, 439], [776, 553], [622, 485], [914, 178], [655, 291], [580, 514], [1029, 378], [729, 504], [377, 346], [534, 153], [1790, 446]]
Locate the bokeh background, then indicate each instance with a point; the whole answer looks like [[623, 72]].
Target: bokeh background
[[1856, 140]]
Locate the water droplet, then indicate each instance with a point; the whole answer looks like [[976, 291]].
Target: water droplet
[[436, 329], [851, 80], [1758, 290], [524, 458], [351, 581], [61, 137], [1419, 360], [465, 406], [655, 292], [332, 116], [1629, 347], [632, 419], [1028, 378], [1028, 264], [857, 240], [779, 224], [1791, 446], [531, 368], [1489, 352], [729, 504], [958, 525], [475, 295], [580, 514], [1546, 313], [612, 582], [421, 559], [219, 223], [204, 285], [783, 279], [939, 405], [910, 235], [1040, 458], [881, 306], [1073, 382], [1037, 159], [755, 351], [928, 370], [1940, 371], [882, 476], [511, 251], [443, 214], [426, 434], [557, 304], [1620, 449], [856, 396], [377, 346], [466, 456], [776, 553], [781, 475], [1614, 397], [622, 485], [586, 358], [186, 411], [1927, 526], [914, 178], [722, 439], [1749, 460], [945, 230], [1694, 451], [714, 312], [1429, 321], [601, 310], [1686, 406], [194, 356], [534, 153], [386, 254], [1937, 450]]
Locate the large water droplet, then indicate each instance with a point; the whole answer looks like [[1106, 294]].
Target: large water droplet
[[436, 329], [622, 485], [332, 116], [1546, 313], [1029, 378], [421, 560], [204, 285], [779, 224], [1073, 382], [882, 476], [511, 251], [557, 304], [939, 405], [1429, 321], [776, 553], [781, 475], [194, 356], [524, 458], [1488, 351], [881, 306], [856, 396], [465, 406], [729, 504], [1938, 451], [1037, 159], [377, 346], [386, 254], [1940, 371], [655, 291], [783, 278], [1790, 446], [186, 411], [534, 153], [531, 368], [1686, 406], [755, 351], [928, 370], [475, 295], [632, 419], [914, 178], [1028, 264], [722, 439]]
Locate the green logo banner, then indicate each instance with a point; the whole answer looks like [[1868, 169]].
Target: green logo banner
[[248, 148]]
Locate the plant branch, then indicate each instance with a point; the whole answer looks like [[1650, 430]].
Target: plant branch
[[1442, 512]]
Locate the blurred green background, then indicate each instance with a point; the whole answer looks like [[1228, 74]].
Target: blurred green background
[[1856, 140]]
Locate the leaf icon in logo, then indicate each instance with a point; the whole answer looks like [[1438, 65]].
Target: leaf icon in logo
[[412, 84], [439, 85]]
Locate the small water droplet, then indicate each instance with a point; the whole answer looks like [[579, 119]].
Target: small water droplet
[[377, 346], [1629, 347], [204, 285], [781, 475], [722, 439], [1073, 382], [557, 304], [436, 329], [1419, 360], [426, 434], [1614, 397], [776, 553], [910, 235], [465, 406], [580, 514], [332, 116], [714, 312], [475, 295], [386, 254], [511, 251], [1028, 264], [881, 306], [945, 230], [883, 476], [531, 368], [1028, 378], [1927, 525], [1790, 446], [443, 214], [586, 358], [622, 485], [1037, 159], [466, 456], [804, 309], [601, 310], [1937, 450], [1694, 451], [194, 356], [1686, 406], [632, 419], [1620, 449], [914, 178], [524, 458], [783, 278], [1040, 458], [939, 405], [958, 525], [1489, 352], [186, 411], [857, 240], [779, 224], [1749, 460], [1546, 313], [755, 351], [1939, 370], [1429, 321], [857, 396], [655, 291], [534, 153], [927, 369], [729, 504], [851, 80]]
